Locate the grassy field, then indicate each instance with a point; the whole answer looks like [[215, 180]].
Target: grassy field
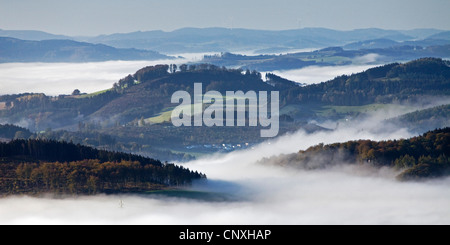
[[92, 94], [165, 114]]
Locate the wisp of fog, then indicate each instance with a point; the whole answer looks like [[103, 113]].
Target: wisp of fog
[[253, 193]]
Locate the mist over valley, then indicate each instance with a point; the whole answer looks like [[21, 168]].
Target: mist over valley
[[106, 124]]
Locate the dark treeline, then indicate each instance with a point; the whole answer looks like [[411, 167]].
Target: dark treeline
[[49, 150], [38, 166], [88, 136]]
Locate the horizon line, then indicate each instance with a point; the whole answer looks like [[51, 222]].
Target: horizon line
[[225, 28]]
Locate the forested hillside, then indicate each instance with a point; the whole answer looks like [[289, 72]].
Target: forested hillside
[[425, 156], [385, 84], [10, 131], [38, 167]]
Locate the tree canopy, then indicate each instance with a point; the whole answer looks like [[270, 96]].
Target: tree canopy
[[39, 166]]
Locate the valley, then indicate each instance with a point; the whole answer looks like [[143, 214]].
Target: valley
[[167, 127]]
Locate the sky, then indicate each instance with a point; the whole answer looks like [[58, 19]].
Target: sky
[[95, 17]]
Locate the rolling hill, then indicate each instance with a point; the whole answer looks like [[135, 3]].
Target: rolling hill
[[383, 84], [134, 115]]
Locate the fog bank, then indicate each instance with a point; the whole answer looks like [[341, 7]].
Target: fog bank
[[63, 78], [314, 197], [257, 194], [244, 191], [318, 74]]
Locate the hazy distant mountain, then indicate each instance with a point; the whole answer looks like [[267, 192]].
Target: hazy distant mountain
[[16, 50], [423, 33], [442, 35], [234, 40], [31, 35]]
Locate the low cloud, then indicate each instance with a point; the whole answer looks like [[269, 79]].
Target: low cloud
[[63, 78]]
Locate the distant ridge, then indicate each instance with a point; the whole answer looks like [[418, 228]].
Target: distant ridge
[[237, 39], [218, 39], [31, 35]]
